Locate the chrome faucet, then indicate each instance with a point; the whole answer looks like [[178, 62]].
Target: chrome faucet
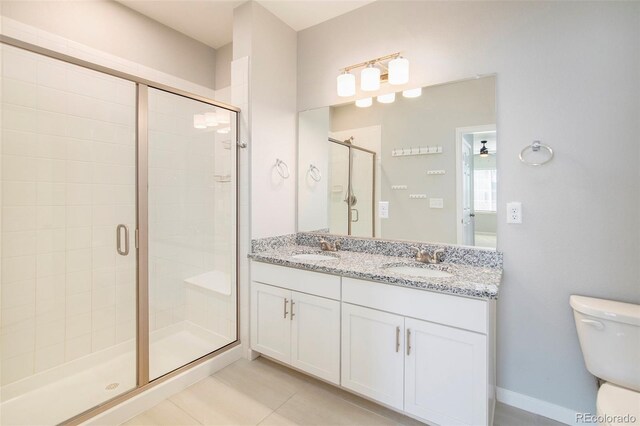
[[423, 255], [327, 246]]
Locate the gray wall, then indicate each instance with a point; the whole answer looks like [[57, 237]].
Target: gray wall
[[118, 30], [270, 45], [567, 74], [431, 119], [224, 55]]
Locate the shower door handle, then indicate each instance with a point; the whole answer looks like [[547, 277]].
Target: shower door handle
[[121, 251]]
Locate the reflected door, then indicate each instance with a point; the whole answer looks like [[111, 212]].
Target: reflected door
[[192, 222], [362, 183], [468, 234], [338, 189]]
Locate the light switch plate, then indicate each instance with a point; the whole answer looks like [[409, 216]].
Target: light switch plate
[[436, 203], [383, 209]]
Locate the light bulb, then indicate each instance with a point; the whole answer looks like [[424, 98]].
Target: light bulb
[[412, 93], [370, 78], [199, 122], [346, 84], [399, 70], [211, 119], [365, 102], [386, 98]]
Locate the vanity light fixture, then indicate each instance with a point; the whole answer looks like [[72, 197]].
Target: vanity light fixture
[[391, 68], [346, 84], [370, 78], [398, 71], [364, 103], [412, 93], [199, 121], [484, 151], [387, 98]]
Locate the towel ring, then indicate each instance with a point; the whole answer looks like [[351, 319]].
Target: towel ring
[[282, 168], [315, 173], [535, 147]]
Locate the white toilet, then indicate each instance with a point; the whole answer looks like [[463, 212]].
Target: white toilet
[[609, 334]]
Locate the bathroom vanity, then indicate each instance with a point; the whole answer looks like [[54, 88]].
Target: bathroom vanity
[[417, 338]]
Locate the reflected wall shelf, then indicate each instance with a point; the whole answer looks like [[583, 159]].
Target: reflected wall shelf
[[416, 150]]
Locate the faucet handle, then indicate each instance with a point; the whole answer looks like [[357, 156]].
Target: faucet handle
[[438, 255]]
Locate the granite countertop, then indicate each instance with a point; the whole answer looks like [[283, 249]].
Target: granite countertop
[[472, 281]]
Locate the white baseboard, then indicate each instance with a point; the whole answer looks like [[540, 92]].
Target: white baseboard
[[145, 400], [537, 406]]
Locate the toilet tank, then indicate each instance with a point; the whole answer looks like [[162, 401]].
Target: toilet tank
[[609, 334]]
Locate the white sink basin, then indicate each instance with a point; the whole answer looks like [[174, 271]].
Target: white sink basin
[[415, 271], [312, 256]]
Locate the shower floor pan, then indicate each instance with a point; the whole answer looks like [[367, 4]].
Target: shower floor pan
[[55, 395]]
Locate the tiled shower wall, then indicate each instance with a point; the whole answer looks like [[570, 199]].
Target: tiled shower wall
[[68, 179], [191, 223]]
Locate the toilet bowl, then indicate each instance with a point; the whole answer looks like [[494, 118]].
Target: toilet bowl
[[609, 334]]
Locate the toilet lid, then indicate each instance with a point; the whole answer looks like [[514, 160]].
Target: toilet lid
[[616, 401]]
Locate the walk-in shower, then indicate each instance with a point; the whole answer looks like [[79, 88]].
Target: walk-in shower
[[352, 183], [119, 234]]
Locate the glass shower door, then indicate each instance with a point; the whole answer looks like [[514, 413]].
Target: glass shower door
[[362, 183], [68, 290], [192, 223], [338, 189]]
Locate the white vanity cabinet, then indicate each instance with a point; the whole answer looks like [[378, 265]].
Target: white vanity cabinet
[[427, 354], [300, 328]]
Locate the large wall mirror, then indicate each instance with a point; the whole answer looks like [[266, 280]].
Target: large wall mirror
[[419, 168]]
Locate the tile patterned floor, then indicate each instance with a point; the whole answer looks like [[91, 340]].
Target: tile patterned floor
[[264, 393]]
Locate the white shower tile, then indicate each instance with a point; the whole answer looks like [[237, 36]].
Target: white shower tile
[[51, 217], [18, 293], [19, 92], [50, 240], [17, 65], [48, 264], [77, 325], [52, 147], [50, 288], [103, 339], [17, 368], [78, 238], [19, 268], [50, 194], [78, 260], [77, 347], [18, 343], [19, 243], [78, 194], [18, 168], [18, 218], [79, 171], [78, 282], [49, 357], [19, 143], [49, 333], [79, 216]]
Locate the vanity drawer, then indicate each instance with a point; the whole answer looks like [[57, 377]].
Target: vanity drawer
[[456, 311], [316, 283]]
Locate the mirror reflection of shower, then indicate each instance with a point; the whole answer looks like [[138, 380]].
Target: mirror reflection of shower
[[351, 180]]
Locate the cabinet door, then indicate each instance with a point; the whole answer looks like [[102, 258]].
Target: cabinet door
[[446, 374], [315, 336], [372, 354], [270, 321]]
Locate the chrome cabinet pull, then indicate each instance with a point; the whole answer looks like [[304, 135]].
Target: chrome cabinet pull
[[408, 342], [292, 313], [121, 251], [397, 339], [285, 307]]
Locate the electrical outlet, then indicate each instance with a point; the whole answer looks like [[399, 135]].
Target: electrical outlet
[[383, 209], [436, 203], [514, 212]]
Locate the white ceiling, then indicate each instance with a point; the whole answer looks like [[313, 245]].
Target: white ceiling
[[211, 21]]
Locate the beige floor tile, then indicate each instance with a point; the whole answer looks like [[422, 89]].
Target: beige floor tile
[[506, 415], [264, 381], [318, 407], [275, 419], [164, 414], [544, 421], [212, 402]]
